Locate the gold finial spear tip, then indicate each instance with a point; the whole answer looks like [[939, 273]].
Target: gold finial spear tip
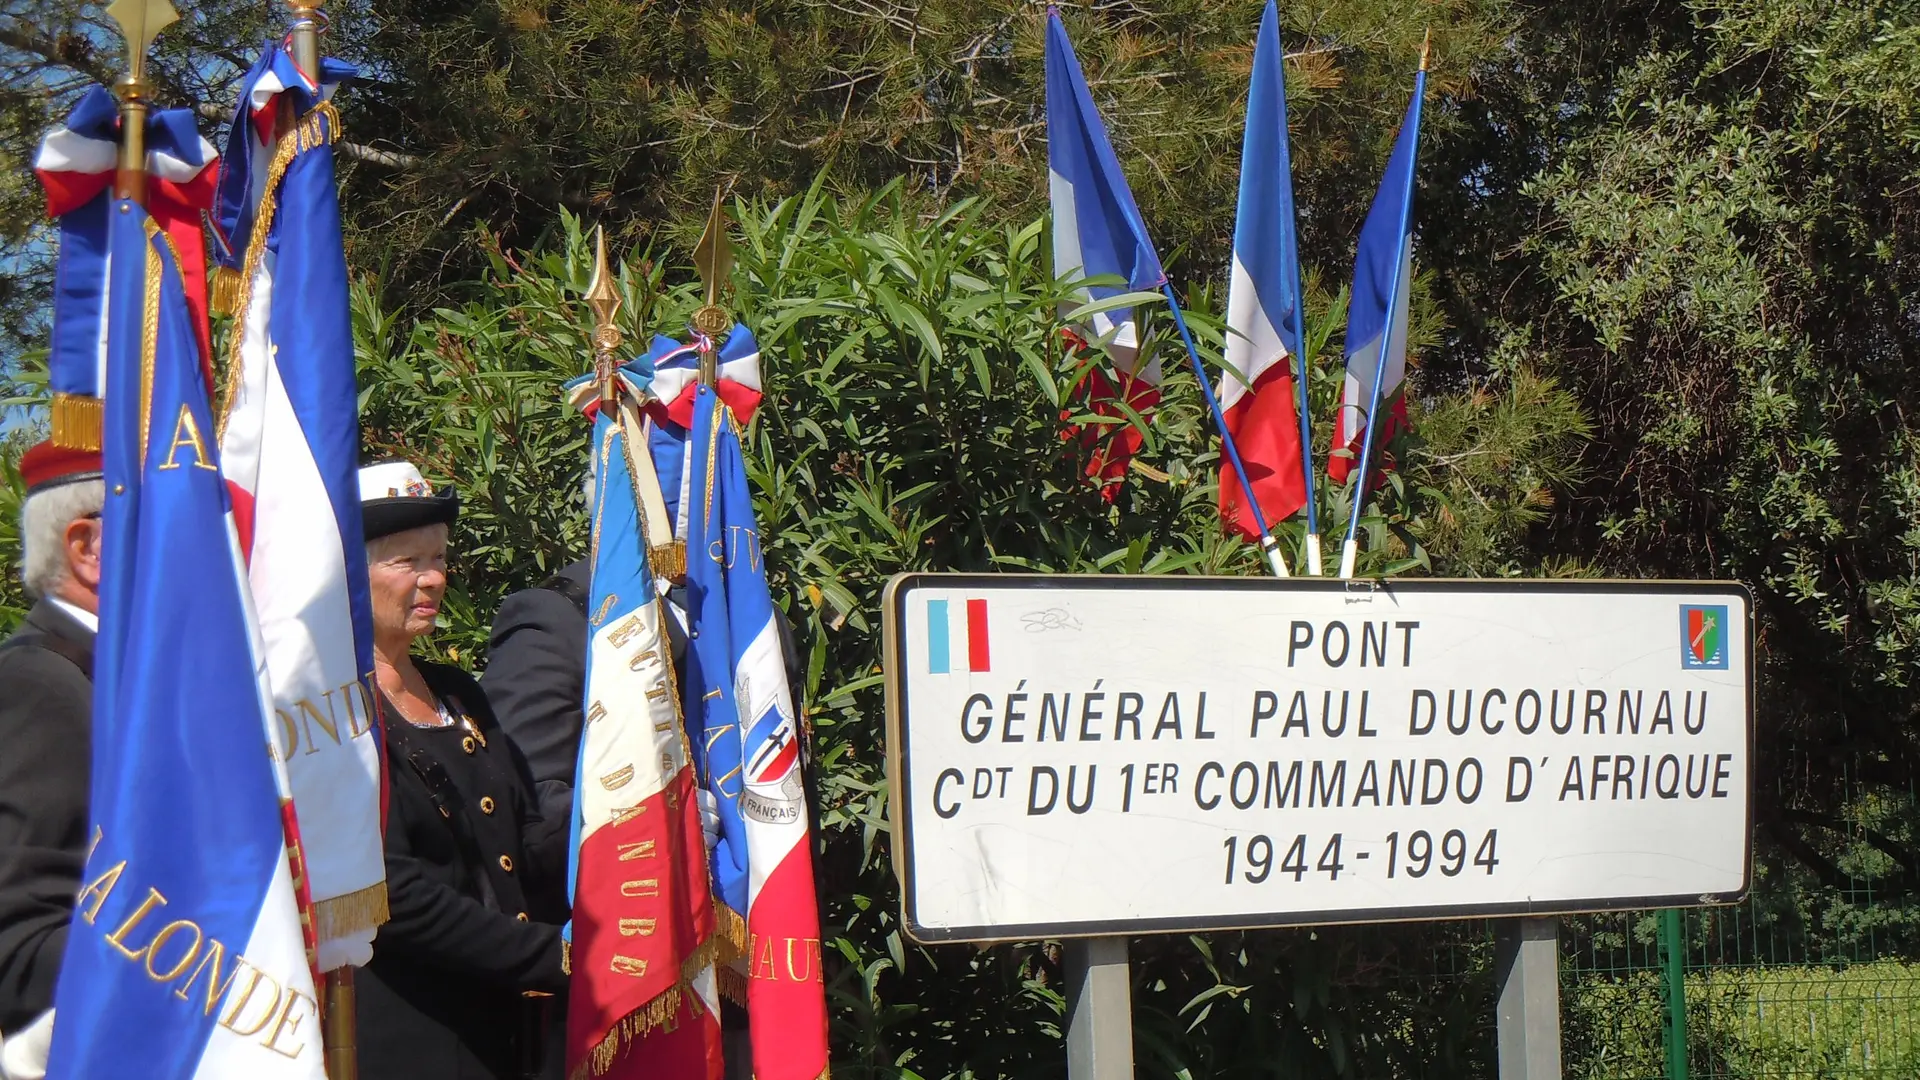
[[602, 297], [140, 22], [1426, 49], [713, 259]]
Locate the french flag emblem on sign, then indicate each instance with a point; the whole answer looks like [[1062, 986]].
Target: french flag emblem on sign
[[952, 627]]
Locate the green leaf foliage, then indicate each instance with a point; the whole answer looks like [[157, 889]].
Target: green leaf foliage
[[913, 421]]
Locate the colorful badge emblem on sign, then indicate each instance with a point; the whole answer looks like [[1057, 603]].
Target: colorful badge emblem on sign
[[1703, 638], [944, 624]]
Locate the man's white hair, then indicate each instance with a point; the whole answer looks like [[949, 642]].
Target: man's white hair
[[44, 518]]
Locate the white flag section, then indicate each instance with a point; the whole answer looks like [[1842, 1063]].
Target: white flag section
[[1363, 359], [1118, 327], [1097, 230], [289, 449]]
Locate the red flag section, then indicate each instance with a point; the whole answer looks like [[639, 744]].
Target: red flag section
[[642, 939], [1266, 427]]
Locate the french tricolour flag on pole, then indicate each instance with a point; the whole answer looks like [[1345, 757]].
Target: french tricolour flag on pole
[[290, 446], [1263, 307], [741, 716], [957, 637], [1379, 310], [1098, 232], [643, 996], [186, 956]]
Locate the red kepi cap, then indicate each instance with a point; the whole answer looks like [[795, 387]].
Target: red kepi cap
[[46, 466]]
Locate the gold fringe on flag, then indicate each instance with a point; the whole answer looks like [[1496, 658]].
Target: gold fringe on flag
[[320, 127], [669, 560], [657, 1013], [77, 421], [340, 916], [730, 930], [566, 957], [733, 984]]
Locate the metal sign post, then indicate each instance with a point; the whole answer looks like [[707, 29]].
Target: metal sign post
[[1529, 1011], [1099, 1010]]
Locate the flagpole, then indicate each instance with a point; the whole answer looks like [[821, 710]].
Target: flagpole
[[338, 1030], [1268, 545], [1312, 553], [140, 21], [305, 36], [1298, 319], [1350, 551]]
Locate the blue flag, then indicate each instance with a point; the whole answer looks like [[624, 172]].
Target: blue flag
[[186, 956], [1097, 229], [716, 499]]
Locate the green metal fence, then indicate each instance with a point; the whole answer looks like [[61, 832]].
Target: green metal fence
[[1815, 976]]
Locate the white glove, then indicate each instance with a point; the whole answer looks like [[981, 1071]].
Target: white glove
[[23, 1056], [709, 817], [346, 952]]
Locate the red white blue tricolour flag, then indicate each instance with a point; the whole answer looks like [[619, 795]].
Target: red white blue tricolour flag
[[644, 999], [1377, 314], [1098, 233], [1257, 391], [747, 738], [290, 445], [187, 958]]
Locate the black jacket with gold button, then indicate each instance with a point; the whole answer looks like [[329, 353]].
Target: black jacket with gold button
[[475, 883]]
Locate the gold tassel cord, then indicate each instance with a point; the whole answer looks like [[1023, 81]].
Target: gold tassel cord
[[224, 290], [149, 334], [320, 127], [354, 912]]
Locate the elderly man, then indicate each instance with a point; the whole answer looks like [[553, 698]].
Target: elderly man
[[46, 708]]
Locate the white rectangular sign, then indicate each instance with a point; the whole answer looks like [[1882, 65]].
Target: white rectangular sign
[[1111, 755]]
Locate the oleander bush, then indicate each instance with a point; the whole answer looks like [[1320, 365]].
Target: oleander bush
[[913, 421]]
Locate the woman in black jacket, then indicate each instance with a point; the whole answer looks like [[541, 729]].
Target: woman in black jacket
[[475, 876]]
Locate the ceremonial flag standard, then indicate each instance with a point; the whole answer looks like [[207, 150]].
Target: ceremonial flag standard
[[1097, 231], [1377, 315], [289, 445], [643, 999], [75, 165], [187, 956], [669, 407], [1263, 307], [741, 718]]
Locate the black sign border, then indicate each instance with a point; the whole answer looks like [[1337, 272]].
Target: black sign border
[[900, 808]]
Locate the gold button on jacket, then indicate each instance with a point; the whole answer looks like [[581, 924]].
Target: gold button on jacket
[[506, 863]]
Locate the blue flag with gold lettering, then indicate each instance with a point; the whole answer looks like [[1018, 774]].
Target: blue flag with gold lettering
[[186, 956]]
